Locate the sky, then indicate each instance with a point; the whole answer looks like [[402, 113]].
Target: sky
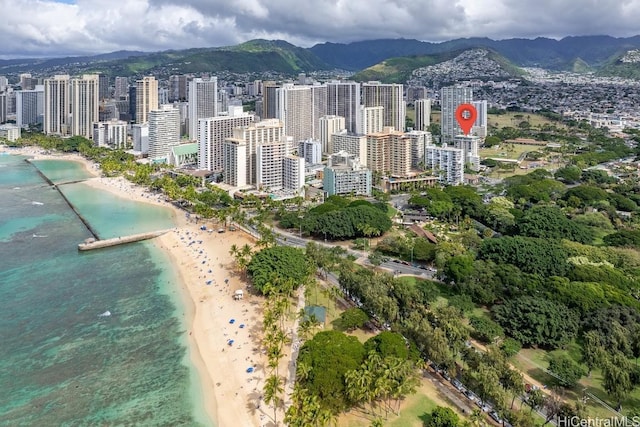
[[74, 27]]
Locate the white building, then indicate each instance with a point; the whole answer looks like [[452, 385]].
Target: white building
[[330, 125], [10, 132], [419, 141], [112, 133], [450, 98], [370, 120], [269, 159], [293, 168], [345, 175], [244, 143], [3, 107], [212, 134], [355, 145], [343, 99], [56, 105], [480, 125], [203, 103], [469, 146], [164, 131], [311, 151], [389, 96], [445, 162], [29, 106], [85, 98], [140, 137], [300, 109], [423, 114]]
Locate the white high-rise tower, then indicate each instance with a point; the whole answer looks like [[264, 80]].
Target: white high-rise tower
[[203, 102], [450, 98]]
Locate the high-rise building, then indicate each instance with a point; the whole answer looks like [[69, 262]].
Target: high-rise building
[[213, 131], [370, 120], [56, 105], [146, 98], [29, 106], [343, 99], [269, 159], [420, 140], [450, 98], [416, 92], [164, 131], [389, 96], [480, 125], [345, 175], [355, 145], [121, 89], [3, 107], [269, 99], [103, 87], [293, 173], [140, 137], [4, 83], [446, 162], [244, 144], [203, 102], [84, 97], [330, 125], [112, 133], [311, 151], [318, 108], [379, 155], [469, 145], [295, 107], [178, 88], [133, 107], [423, 114]]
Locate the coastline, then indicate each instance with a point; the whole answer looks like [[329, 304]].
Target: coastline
[[206, 280]]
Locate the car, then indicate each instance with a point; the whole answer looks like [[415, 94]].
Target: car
[[484, 406], [434, 366], [458, 385], [470, 395], [445, 375], [495, 416]]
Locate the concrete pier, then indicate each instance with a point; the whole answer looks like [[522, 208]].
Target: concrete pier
[[97, 244]]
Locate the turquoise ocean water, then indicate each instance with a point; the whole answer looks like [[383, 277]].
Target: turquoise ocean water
[[62, 361]]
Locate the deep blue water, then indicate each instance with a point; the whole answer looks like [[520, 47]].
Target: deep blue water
[[61, 362]]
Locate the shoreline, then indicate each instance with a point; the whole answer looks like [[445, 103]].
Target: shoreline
[[201, 264]]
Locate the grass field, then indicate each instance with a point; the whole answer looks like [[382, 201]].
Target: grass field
[[535, 361], [512, 119], [508, 151]]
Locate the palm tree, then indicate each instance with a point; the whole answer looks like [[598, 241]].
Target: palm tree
[[272, 390]]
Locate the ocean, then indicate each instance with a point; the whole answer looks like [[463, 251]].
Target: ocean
[[87, 338]]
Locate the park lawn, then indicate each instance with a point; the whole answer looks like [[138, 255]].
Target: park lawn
[[533, 361], [509, 120], [412, 410], [506, 151]]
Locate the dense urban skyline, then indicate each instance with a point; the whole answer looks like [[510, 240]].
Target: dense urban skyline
[[72, 27]]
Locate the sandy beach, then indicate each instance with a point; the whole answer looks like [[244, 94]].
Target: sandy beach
[[224, 334]]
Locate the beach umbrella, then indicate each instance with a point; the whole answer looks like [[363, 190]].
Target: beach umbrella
[[232, 321], [250, 369]]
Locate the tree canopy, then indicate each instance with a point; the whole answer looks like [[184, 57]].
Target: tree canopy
[[277, 264]]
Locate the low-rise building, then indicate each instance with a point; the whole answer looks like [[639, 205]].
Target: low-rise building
[[345, 175]]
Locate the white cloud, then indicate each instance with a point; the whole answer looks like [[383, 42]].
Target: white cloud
[[46, 27]]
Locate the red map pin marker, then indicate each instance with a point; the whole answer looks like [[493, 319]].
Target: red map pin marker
[[466, 116]]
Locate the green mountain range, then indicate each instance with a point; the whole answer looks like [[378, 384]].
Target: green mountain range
[[387, 59]]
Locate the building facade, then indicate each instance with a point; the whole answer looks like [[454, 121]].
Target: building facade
[[330, 125], [391, 98], [203, 103], [343, 99], [164, 131], [29, 106], [370, 120], [423, 114], [212, 134], [450, 98], [146, 98], [447, 163], [345, 175], [85, 99], [56, 105]]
